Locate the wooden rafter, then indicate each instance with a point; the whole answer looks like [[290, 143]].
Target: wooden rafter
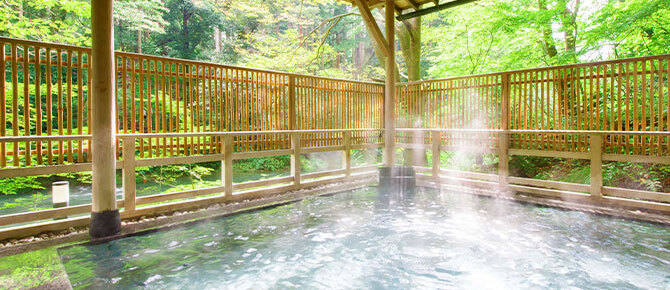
[[437, 7], [372, 25], [414, 4]]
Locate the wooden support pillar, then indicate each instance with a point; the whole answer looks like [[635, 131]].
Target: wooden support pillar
[[389, 87], [295, 158], [435, 137], [503, 138], [129, 186], [227, 166], [346, 153], [105, 219], [596, 156]]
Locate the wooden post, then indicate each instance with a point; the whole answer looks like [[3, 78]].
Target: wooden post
[[346, 153], [435, 137], [503, 138], [295, 158], [105, 219], [596, 156], [227, 166], [129, 186], [389, 87], [292, 104]]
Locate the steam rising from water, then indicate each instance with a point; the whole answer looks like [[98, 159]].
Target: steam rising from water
[[366, 239]]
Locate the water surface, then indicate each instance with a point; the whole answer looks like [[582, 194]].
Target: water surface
[[367, 239]]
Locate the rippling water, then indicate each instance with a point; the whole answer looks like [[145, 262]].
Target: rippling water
[[366, 239]]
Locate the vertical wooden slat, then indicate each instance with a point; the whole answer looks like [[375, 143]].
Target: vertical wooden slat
[[141, 113], [3, 109], [15, 104], [70, 151], [38, 103], [643, 104], [659, 144], [151, 77], [628, 111], [89, 105], [635, 109], [59, 105], [80, 106], [619, 106], [26, 104], [124, 94]]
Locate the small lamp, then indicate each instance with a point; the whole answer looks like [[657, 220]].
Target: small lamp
[[60, 194]]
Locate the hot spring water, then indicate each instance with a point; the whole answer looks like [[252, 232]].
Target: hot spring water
[[369, 239]]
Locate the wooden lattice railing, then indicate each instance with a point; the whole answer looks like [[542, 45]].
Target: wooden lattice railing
[[45, 93], [619, 95], [605, 111]]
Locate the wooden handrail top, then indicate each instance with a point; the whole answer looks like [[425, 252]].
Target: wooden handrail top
[[242, 133], [562, 132]]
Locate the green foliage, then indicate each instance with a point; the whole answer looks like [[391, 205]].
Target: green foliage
[[366, 157], [64, 21], [631, 28], [189, 31], [530, 166], [506, 35], [16, 185], [263, 163], [484, 163], [170, 175], [635, 175]]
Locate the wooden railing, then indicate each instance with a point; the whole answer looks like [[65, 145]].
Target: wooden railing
[[616, 96], [606, 111], [592, 193], [45, 93], [134, 206], [171, 111]]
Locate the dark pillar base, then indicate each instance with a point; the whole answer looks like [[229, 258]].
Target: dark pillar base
[[397, 179], [105, 224]]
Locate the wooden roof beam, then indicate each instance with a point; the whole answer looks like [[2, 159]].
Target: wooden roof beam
[[413, 4], [436, 8], [370, 22]]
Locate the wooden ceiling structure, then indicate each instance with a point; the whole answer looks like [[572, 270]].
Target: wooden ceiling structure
[[407, 9]]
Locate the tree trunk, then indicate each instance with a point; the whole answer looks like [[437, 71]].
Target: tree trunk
[[139, 41], [569, 27], [409, 36], [547, 41], [217, 39]]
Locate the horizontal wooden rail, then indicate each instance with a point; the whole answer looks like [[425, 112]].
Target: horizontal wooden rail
[[134, 206], [593, 193]]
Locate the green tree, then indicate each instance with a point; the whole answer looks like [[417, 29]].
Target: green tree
[[62, 21], [190, 26], [138, 18]]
